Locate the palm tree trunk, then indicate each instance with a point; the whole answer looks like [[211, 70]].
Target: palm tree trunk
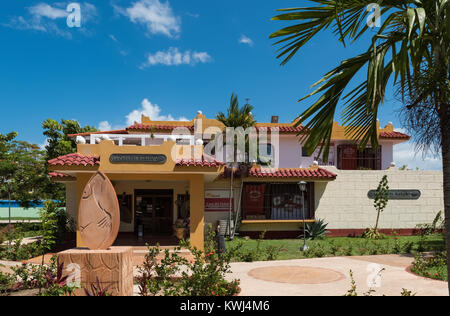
[[445, 130]]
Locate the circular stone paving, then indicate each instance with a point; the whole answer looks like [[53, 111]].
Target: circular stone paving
[[296, 275]]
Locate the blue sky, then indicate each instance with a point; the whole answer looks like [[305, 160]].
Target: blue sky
[[168, 59]]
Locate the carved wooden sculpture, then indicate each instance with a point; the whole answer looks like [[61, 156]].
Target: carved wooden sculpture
[[99, 213]]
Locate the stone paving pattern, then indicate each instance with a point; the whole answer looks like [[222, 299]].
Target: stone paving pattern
[[393, 279]]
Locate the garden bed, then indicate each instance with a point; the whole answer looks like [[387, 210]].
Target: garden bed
[[432, 266], [285, 249]]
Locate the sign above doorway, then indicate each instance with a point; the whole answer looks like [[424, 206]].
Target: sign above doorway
[[138, 158]]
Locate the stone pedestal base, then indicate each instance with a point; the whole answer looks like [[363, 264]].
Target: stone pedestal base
[[113, 268]]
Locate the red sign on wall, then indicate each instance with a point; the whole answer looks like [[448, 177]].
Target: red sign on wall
[[218, 201], [254, 199]]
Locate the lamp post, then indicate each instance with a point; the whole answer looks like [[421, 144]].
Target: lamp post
[[302, 186], [8, 185]]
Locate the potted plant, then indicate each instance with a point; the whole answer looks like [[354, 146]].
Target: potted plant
[[180, 229]]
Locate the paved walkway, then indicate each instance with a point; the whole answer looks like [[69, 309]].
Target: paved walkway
[[318, 277], [330, 276], [5, 266], [20, 221], [25, 241]]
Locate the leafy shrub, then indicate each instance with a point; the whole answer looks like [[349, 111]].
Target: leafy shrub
[[260, 253], [48, 279], [316, 230], [353, 288], [174, 275], [272, 252], [6, 282], [55, 284], [432, 228], [405, 292], [372, 233], [19, 251], [434, 267], [49, 220], [97, 290]]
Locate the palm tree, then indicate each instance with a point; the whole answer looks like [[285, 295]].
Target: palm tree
[[236, 117], [411, 47]]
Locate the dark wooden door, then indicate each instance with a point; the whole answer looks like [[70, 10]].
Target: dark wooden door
[[347, 155]]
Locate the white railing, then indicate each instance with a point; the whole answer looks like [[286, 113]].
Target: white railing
[[122, 138]]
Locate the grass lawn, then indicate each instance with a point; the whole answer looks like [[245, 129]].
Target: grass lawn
[[247, 250]]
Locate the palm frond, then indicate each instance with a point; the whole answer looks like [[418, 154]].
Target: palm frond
[[399, 48]]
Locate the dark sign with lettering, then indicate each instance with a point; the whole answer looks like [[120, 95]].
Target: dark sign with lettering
[[138, 158], [398, 194]]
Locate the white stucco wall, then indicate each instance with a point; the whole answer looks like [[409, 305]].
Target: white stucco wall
[[224, 185], [344, 204], [290, 152], [387, 154]]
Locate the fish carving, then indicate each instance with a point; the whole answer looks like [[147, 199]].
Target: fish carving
[[99, 213]]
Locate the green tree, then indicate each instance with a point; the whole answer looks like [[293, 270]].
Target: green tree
[[58, 141], [23, 164], [381, 199], [236, 117], [380, 203], [59, 144], [411, 47]]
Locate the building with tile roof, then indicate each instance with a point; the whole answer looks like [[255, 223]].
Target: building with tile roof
[[167, 172]]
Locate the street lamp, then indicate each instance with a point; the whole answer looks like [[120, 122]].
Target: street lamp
[[8, 185], [302, 186]]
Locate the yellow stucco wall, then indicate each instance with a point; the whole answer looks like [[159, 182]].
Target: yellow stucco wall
[[195, 183]]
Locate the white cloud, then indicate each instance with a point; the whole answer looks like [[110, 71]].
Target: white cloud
[[405, 154], [158, 17], [148, 109], [111, 36], [44, 17], [193, 15], [45, 10], [104, 126], [151, 110], [246, 40], [44, 144], [173, 57]]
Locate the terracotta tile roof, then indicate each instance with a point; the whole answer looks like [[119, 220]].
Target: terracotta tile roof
[[145, 127], [75, 160], [80, 160], [281, 129], [120, 131], [394, 135], [206, 161], [58, 175], [318, 173]]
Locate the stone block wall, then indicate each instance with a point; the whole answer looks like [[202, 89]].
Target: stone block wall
[[344, 203]]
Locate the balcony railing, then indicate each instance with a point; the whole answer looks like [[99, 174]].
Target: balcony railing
[[139, 139]]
